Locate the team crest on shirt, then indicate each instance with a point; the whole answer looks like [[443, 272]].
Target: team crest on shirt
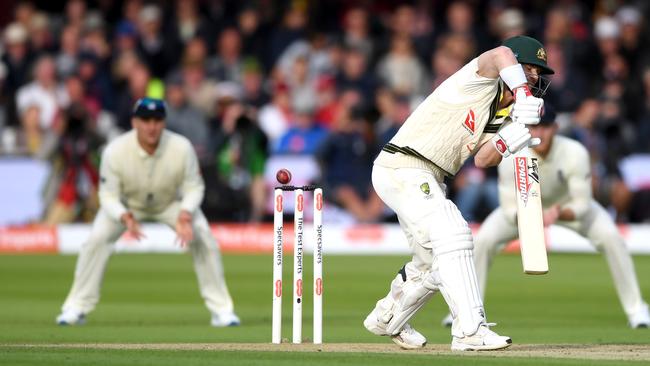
[[470, 122], [541, 54], [424, 187]]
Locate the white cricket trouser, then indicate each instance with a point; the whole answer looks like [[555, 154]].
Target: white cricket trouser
[[496, 231], [95, 253], [439, 238]]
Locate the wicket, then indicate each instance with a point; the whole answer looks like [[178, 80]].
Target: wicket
[[278, 222]]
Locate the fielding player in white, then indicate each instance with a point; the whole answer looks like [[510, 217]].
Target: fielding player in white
[[457, 120], [149, 174], [565, 175]]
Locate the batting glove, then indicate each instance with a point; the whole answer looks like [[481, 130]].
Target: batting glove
[[527, 109], [512, 138]]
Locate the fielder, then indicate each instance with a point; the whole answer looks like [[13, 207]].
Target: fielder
[[149, 174], [564, 170], [457, 120]]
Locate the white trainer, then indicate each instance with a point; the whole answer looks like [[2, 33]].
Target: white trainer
[[225, 320], [71, 317], [641, 319], [447, 321], [483, 340], [407, 338]]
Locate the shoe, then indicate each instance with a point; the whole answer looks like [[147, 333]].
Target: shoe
[[409, 338], [447, 321], [71, 317], [641, 319], [225, 320], [483, 340]]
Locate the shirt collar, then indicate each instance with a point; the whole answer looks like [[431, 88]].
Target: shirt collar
[[142, 153]]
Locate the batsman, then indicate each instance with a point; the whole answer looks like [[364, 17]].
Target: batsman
[[456, 121], [565, 175]]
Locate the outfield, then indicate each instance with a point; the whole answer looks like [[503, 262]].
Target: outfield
[[151, 314]]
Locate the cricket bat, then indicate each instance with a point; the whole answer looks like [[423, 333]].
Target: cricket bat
[[530, 221]]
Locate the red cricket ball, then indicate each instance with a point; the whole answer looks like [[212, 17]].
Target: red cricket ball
[[283, 176]]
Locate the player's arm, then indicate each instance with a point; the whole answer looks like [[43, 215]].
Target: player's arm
[[579, 182], [511, 138], [487, 156], [110, 186], [192, 188]]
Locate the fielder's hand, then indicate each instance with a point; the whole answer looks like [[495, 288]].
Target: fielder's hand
[[513, 137], [184, 231], [551, 215], [132, 226], [527, 109]]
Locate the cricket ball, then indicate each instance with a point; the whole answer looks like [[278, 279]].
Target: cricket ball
[[283, 176]]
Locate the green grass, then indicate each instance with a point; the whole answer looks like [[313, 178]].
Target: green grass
[[154, 299]]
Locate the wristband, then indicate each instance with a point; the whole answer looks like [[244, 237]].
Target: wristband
[[513, 76]]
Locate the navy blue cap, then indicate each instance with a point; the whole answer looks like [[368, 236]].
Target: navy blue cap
[[548, 115], [150, 108]]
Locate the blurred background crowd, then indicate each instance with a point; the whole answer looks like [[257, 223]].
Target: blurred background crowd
[[314, 86]]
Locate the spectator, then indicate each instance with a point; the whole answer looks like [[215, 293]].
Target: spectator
[[156, 51], [41, 34], [252, 81], [401, 70], [136, 88], [511, 22], [45, 92], [96, 80], [237, 173], [275, 116], [293, 27], [356, 32], [185, 119], [66, 59], [126, 38], [75, 170], [304, 136], [476, 192], [18, 61], [346, 158], [253, 34], [227, 64], [189, 24], [354, 75]]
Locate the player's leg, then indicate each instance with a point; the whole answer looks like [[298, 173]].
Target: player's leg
[[495, 232], [89, 271], [604, 235], [456, 278], [407, 291], [420, 203], [208, 267]]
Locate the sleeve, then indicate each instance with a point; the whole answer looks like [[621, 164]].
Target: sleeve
[[466, 86], [506, 190], [491, 128], [193, 187], [579, 183], [109, 187]]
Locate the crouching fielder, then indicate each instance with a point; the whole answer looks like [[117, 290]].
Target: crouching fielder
[[149, 174], [457, 120], [564, 170]]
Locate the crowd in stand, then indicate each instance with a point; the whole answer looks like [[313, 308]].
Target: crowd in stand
[[247, 81]]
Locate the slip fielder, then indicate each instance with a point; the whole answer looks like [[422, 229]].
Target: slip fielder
[[565, 176], [149, 174]]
